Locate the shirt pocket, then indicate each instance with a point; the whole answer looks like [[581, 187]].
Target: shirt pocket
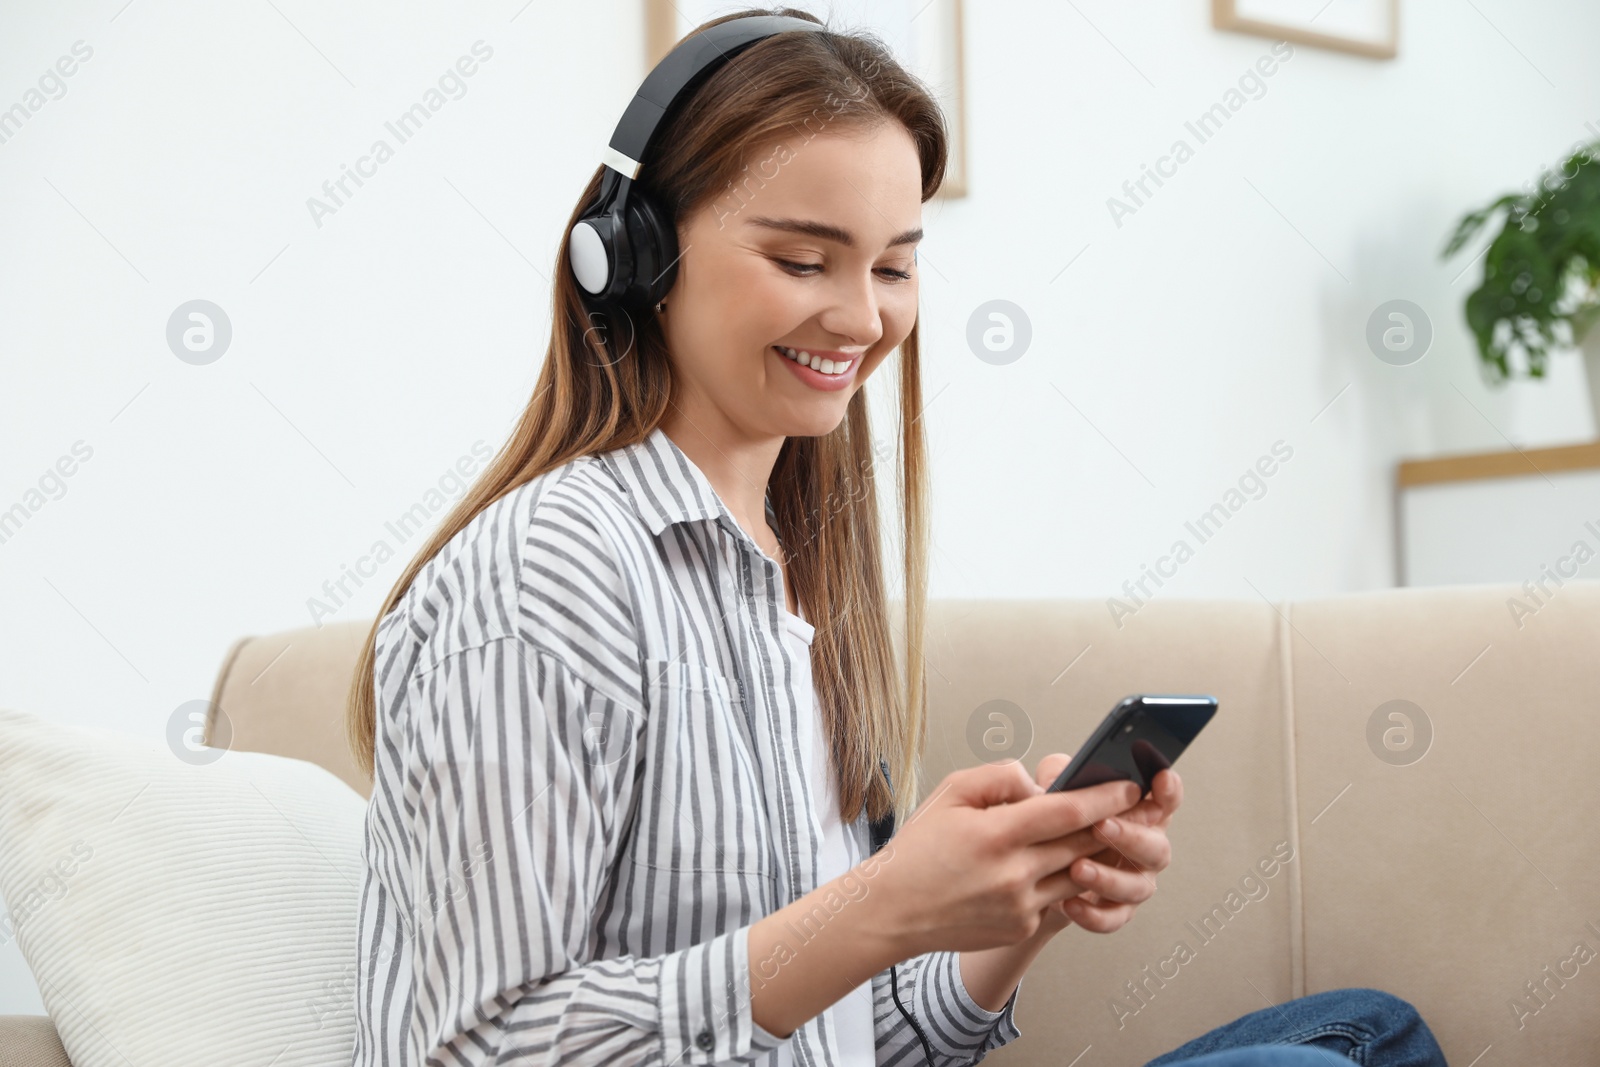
[[702, 803]]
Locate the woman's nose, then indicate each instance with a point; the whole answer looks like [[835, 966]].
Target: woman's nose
[[854, 314]]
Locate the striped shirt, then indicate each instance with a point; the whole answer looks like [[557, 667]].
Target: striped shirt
[[850, 1018], [588, 788]]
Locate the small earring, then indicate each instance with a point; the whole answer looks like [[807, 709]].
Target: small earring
[[661, 306]]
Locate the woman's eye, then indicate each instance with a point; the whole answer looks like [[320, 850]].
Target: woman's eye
[[806, 270]]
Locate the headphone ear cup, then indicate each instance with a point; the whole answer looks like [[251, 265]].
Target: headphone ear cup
[[590, 253], [653, 239]]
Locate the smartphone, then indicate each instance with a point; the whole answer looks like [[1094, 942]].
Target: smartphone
[[1139, 737]]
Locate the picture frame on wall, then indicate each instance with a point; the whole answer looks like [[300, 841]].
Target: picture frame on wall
[[924, 35], [1363, 27]]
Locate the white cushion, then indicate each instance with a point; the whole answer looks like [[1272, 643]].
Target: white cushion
[[178, 914]]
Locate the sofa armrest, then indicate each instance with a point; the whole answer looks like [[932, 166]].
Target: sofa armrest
[[30, 1041]]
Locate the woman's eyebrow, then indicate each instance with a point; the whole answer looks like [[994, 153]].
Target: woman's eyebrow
[[827, 231]]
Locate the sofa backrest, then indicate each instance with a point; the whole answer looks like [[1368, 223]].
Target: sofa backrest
[[1314, 849], [285, 693]]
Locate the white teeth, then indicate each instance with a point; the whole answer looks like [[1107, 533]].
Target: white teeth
[[816, 363]]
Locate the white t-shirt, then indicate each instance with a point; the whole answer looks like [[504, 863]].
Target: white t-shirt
[[850, 1019]]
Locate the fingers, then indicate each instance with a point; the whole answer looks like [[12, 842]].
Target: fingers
[[1110, 864], [1056, 888], [1113, 884], [1050, 768], [1049, 857], [1098, 918], [1166, 794], [1113, 881], [990, 784], [1044, 816], [1146, 847]]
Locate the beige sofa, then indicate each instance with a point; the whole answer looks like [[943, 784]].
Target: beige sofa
[[1309, 854]]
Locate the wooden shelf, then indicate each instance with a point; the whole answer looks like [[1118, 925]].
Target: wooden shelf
[[1513, 463]]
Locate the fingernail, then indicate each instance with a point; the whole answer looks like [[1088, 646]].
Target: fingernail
[[1112, 828]]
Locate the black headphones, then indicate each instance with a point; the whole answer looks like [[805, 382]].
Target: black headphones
[[624, 248]]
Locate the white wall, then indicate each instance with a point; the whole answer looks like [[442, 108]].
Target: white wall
[[1209, 326], [369, 354]]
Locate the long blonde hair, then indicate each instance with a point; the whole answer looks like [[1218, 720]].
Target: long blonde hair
[[598, 391]]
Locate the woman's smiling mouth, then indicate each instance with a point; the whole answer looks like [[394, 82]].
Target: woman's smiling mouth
[[817, 362], [817, 371]]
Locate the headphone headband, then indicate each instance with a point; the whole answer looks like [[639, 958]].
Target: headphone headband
[[623, 250], [681, 72]]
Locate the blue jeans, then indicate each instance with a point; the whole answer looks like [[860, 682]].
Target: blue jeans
[[1368, 1026]]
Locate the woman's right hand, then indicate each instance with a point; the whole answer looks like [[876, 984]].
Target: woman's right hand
[[979, 859]]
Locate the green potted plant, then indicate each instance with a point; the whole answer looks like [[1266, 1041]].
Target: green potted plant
[[1541, 274]]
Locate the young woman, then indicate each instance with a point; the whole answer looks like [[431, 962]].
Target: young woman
[[634, 713]]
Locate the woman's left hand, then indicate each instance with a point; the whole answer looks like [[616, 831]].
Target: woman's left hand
[[1119, 877]]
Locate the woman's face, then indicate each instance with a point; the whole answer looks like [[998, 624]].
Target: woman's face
[[812, 252]]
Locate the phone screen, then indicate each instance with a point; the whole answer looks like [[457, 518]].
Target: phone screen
[[1139, 737]]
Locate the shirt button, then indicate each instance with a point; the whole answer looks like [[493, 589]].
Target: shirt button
[[705, 1040]]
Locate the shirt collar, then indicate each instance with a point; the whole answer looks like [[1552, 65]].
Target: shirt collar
[[665, 486]]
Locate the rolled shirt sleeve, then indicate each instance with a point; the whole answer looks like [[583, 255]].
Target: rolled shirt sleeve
[[519, 779], [958, 1030]]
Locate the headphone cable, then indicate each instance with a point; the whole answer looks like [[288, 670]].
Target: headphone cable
[[894, 988], [881, 832]]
